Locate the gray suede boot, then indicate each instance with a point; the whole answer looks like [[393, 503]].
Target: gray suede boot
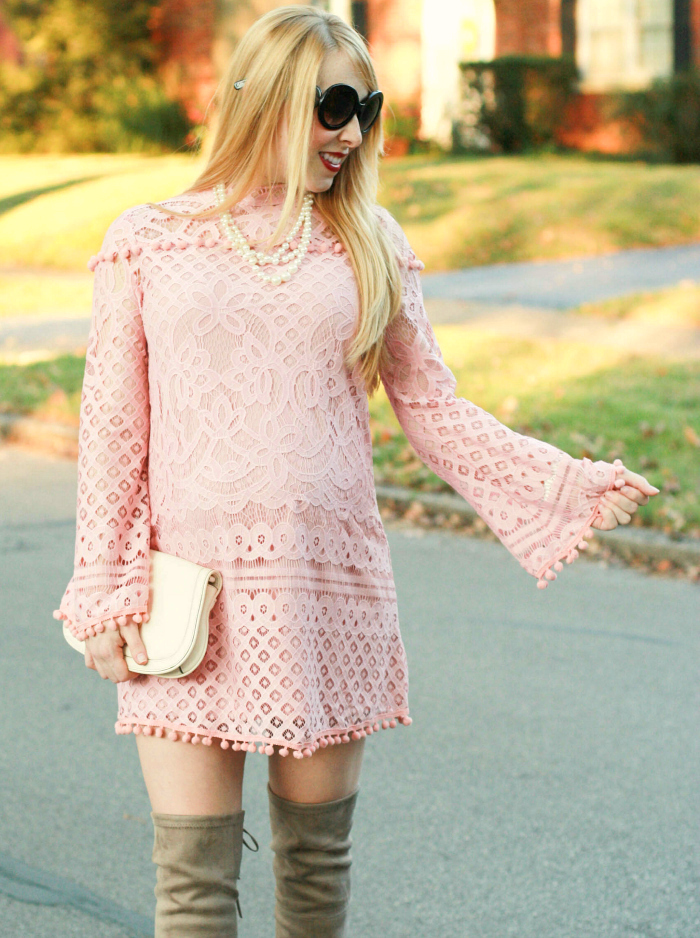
[[199, 861], [311, 844]]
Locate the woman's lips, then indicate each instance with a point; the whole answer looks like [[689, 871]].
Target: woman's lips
[[333, 167]]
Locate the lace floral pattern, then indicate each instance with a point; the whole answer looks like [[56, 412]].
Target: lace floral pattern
[[219, 423]]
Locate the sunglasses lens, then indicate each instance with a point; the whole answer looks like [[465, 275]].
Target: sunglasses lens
[[339, 106], [371, 113]]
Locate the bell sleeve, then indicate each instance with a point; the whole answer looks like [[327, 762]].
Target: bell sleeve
[[112, 559], [538, 500]]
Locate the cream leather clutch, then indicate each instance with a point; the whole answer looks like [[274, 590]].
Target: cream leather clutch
[[181, 597]]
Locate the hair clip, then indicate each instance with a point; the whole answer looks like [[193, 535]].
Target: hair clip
[[239, 84]]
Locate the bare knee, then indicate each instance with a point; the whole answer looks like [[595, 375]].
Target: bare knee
[[327, 775]]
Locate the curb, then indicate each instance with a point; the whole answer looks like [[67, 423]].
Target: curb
[[632, 544]]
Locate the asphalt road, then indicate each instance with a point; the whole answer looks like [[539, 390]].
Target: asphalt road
[[547, 787]]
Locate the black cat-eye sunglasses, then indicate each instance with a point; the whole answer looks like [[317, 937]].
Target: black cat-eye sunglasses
[[338, 104]]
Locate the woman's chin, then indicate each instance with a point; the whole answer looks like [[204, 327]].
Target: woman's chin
[[319, 184]]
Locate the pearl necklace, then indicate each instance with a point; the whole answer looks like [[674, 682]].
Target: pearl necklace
[[284, 255]]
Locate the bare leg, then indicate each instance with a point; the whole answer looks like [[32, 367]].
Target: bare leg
[[182, 778], [327, 775]]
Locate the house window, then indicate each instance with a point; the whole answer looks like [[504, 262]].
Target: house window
[[624, 43]]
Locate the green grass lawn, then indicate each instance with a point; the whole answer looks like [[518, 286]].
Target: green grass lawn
[[589, 401], [457, 212]]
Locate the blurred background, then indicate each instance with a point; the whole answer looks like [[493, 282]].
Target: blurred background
[[541, 156]]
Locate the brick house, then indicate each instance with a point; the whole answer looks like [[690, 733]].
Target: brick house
[[417, 45]]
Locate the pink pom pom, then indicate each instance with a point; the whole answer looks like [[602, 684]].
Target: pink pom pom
[[322, 248], [225, 744], [147, 731], [385, 724], [90, 630], [137, 730], [323, 742], [550, 575], [210, 242], [307, 753], [407, 721], [137, 617], [57, 614], [558, 566], [376, 727], [100, 627], [236, 746], [146, 616], [182, 245], [121, 620], [369, 730], [173, 736], [541, 584], [392, 724], [186, 737], [284, 751], [93, 262], [582, 545], [124, 252], [338, 248], [355, 735], [157, 245], [137, 250], [297, 754], [345, 738], [206, 740], [160, 732], [270, 749]]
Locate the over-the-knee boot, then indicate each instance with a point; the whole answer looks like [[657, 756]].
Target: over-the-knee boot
[[311, 844], [199, 861]]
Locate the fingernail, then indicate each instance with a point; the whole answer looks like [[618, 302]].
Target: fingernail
[[141, 659]]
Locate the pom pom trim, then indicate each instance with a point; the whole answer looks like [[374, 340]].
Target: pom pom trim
[[95, 626], [263, 745], [316, 246], [577, 542]]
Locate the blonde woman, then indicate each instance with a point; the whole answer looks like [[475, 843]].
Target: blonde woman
[[237, 331]]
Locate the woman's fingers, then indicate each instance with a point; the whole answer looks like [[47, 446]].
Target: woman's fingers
[[108, 656], [616, 504], [639, 482], [606, 520], [618, 498], [131, 633]]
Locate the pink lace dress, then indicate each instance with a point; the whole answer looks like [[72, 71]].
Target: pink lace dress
[[219, 423]]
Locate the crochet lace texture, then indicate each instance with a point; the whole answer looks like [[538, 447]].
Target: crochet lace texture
[[219, 423]]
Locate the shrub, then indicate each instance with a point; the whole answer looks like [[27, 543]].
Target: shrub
[[668, 115], [514, 103]]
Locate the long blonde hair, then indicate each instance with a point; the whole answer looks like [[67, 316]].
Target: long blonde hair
[[280, 56]]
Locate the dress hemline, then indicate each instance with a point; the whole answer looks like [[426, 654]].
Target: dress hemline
[[265, 745]]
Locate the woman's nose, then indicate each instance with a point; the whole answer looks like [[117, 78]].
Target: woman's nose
[[351, 135]]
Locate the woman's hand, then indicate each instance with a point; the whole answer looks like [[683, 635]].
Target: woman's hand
[[104, 652], [618, 505]]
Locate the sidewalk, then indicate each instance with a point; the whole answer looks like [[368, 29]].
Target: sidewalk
[[566, 284]]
